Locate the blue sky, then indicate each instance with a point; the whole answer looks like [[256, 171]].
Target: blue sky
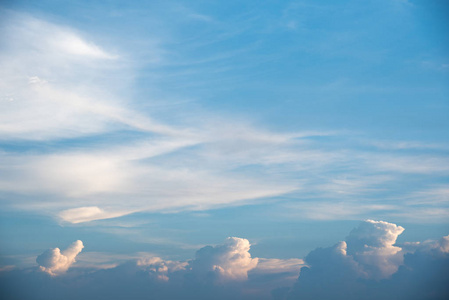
[[156, 128]]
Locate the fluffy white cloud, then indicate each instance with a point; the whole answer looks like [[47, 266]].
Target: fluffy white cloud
[[228, 261], [55, 262], [346, 270], [368, 265], [371, 245], [368, 251]]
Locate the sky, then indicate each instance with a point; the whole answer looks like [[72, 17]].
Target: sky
[[234, 149]]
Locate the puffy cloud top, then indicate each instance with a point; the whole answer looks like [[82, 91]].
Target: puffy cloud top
[[230, 260], [55, 262], [358, 268], [374, 234], [368, 265], [371, 244]]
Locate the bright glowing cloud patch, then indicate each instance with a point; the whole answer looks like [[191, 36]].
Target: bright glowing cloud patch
[[371, 245], [86, 214], [55, 262], [229, 261]]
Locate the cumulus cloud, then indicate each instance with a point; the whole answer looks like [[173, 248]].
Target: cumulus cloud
[[228, 261], [351, 269], [371, 244], [368, 265], [55, 262], [216, 272]]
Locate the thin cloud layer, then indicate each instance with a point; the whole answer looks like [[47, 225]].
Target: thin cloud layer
[[53, 83], [88, 213], [59, 85]]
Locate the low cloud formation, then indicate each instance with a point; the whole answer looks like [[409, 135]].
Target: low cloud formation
[[159, 268], [55, 262], [368, 265], [229, 261], [224, 271]]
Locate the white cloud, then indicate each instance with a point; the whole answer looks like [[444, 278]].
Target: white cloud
[[57, 84], [352, 269], [105, 177], [411, 164], [372, 246], [75, 45], [228, 261], [55, 262], [368, 252], [60, 87], [335, 210], [368, 265], [53, 39], [88, 213]]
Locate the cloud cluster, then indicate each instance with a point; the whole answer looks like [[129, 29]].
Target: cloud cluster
[[55, 262], [228, 261], [221, 272], [159, 268], [368, 265]]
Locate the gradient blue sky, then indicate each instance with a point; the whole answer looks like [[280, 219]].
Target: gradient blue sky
[[164, 126]]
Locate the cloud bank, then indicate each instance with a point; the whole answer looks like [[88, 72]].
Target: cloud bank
[[367, 265]]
